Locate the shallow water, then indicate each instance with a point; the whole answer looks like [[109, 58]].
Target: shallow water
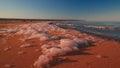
[[111, 24], [107, 32]]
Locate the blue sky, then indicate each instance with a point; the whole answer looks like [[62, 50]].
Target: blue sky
[[91, 10]]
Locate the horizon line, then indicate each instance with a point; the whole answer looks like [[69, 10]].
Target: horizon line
[[47, 19]]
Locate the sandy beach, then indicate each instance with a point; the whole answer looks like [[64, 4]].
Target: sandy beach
[[23, 45]]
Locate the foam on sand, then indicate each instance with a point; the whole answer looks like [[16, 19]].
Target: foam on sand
[[41, 32], [52, 51], [43, 61]]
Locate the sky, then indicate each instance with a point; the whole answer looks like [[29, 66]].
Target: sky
[[90, 10]]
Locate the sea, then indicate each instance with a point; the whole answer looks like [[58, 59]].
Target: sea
[[111, 24], [115, 32]]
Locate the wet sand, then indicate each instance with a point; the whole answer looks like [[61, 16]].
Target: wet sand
[[102, 53]]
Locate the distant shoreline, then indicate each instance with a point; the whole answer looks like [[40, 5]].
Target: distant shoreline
[[20, 19]]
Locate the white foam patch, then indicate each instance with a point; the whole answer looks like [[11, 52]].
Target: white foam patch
[[41, 36], [67, 43], [54, 51], [43, 61], [33, 28], [65, 46]]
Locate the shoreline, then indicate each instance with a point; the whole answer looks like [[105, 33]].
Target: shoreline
[[95, 34], [19, 45]]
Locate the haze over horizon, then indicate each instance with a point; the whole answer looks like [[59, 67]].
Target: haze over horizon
[[90, 10]]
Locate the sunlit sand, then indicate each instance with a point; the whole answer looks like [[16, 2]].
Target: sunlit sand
[[44, 45]]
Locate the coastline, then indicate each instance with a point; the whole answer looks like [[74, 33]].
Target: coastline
[[97, 34], [102, 54]]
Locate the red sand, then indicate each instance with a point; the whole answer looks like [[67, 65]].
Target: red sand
[[102, 55]]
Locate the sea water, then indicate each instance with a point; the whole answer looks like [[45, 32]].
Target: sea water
[[107, 32], [111, 24]]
